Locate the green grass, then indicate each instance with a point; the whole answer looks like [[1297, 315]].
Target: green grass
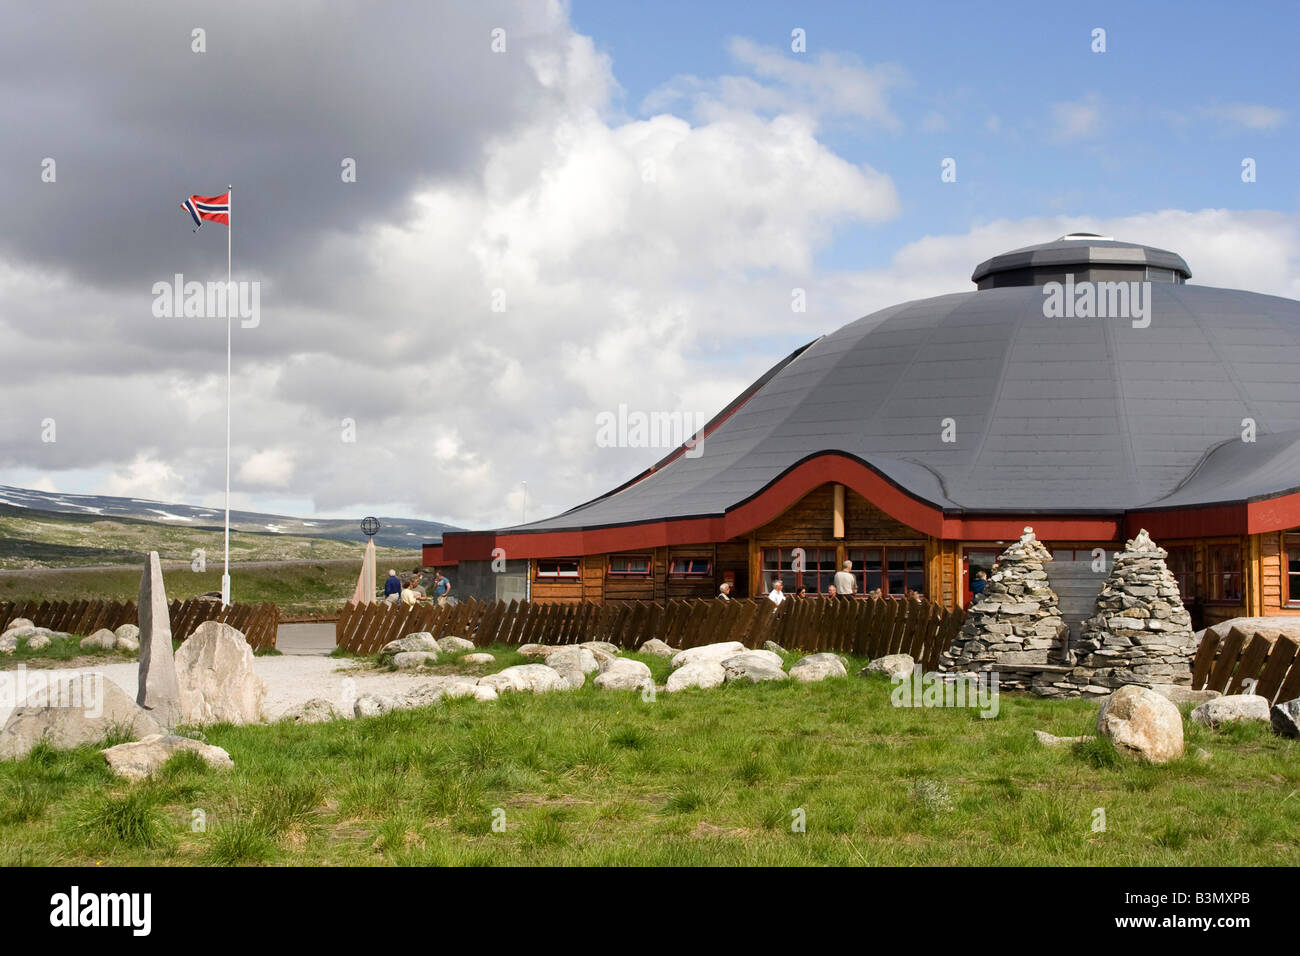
[[729, 776], [62, 649]]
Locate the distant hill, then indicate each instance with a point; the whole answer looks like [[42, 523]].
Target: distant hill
[[90, 517]]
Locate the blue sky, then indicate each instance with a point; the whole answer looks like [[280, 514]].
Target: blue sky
[[982, 83]]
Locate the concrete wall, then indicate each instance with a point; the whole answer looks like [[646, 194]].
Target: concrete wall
[[476, 579]]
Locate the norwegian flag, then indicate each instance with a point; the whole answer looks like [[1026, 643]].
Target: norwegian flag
[[211, 208]]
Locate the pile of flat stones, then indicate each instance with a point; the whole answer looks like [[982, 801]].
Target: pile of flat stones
[[1015, 627], [1139, 633]]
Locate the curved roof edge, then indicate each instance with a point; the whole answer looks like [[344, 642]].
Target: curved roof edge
[[1213, 518]]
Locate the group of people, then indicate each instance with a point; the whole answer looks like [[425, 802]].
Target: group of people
[[845, 585], [413, 590]]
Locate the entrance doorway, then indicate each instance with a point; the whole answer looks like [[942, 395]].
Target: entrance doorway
[[974, 560]]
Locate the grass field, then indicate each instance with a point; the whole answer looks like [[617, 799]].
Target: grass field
[[298, 587], [716, 777]]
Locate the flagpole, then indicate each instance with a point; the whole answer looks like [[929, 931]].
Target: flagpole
[[230, 227]]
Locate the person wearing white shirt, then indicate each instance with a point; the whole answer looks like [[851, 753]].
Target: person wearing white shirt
[[845, 583], [777, 594]]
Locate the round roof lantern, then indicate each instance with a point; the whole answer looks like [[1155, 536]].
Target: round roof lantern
[[1087, 257]]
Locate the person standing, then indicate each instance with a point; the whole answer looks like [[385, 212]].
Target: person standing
[[724, 591], [392, 587], [845, 583], [441, 588]]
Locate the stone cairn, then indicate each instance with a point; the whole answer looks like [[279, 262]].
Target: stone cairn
[[1140, 633], [1015, 627]]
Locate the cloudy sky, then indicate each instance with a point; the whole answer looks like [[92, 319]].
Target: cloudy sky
[[559, 209]]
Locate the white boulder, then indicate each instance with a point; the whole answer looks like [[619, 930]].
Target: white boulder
[[818, 667], [708, 652], [214, 672], [893, 666], [623, 673], [1142, 723], [145, 757], [1236, 707], [703, 674]]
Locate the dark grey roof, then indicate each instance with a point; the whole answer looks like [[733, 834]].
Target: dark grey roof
[[1056, 415], [1081, 250]]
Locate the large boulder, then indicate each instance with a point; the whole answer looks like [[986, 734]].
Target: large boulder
[[1235, 707], [101, 640], [893, 666], [449, 644], [34, 637], [145, 757], [1286, 719], [128, 636], [421, 641], [18, 622], [703, 674], [818, 667], [214, 670], [708, 652], [535, 651], [754, 667], [534, 678], [71, 711], [623, 673], [318, 710], [573, 663], [1142, 723], [409, 660], [656, 647]]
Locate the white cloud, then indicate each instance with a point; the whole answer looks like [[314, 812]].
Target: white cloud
[[269, 468], [1251, 116], [821, 85], [1080, 119]]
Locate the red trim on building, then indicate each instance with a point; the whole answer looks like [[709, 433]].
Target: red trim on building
[[1273, 514]]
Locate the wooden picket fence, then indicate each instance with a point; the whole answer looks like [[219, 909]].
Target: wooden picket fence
[[867, 627], [1226, 663], [258, 622]]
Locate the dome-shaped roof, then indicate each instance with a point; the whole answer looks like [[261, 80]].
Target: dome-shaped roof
[[1084, 254], [1057, 415]]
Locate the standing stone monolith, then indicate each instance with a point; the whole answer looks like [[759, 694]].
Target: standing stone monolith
[[159, 692]]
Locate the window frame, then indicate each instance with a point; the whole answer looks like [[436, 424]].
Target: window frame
[[649, 565], [690, 575], [910, 572], [1188, 552], [557, 575], [1290, 542], [1215, 577]]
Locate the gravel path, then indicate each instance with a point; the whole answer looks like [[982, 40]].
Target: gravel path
[[289, 680]]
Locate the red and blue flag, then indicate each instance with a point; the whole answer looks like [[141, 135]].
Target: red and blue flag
[[209, 208]]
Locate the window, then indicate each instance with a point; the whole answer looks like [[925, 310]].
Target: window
[[1182, 565], [817, 575], [1291, 578], [690, 568], [894, 571], [1224, 572], [557, 568], [629, 565]]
